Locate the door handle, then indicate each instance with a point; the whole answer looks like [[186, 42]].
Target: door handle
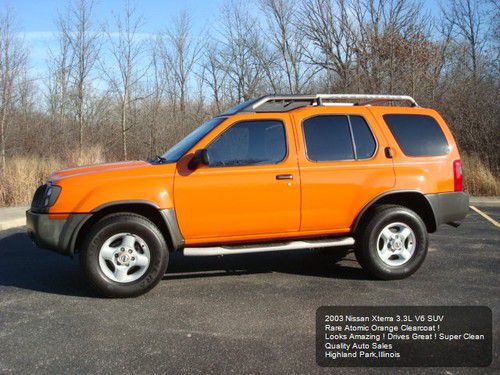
[[388, 152], [284, 176]]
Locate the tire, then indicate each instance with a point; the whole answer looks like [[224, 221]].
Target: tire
[[393, 242], [124, 255]]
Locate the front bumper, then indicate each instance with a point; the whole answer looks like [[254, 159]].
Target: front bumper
[[54, 234], [449, 208]]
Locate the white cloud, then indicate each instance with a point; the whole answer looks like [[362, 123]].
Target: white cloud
[[38, 35]]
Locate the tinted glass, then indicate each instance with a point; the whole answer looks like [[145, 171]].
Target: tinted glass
[[249, 143], [417, 135], [363, 138], [176, 152], [328, 138]]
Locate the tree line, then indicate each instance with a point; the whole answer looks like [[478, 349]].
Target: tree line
[[135, 94]]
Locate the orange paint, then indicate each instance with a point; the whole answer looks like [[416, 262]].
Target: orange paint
[[246, 203]]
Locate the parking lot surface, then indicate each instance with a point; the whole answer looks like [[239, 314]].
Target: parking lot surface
[[236, 314]]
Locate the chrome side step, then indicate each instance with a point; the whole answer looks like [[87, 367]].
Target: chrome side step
[[260, 248]]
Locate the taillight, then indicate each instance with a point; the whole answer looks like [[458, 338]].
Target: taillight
[[458, 175]]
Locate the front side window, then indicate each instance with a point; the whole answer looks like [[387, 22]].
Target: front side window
[[417, 135], [249, 143], [338, 137]]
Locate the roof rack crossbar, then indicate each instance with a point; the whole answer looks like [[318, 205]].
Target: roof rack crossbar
[[319, 98]]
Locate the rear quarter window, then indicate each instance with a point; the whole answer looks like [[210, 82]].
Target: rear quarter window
[[417, 135]]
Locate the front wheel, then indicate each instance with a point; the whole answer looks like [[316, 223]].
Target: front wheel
[[124, 255], [393, 242]]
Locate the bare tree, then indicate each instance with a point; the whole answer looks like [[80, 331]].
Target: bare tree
[[13, 56], [240, 40], [289, 42], [78, 29], [156, 87], [59, 67], [467, 21], [176, 79], [213, 74], [180, 51], [128, 64], [382, 26], [328, 27]]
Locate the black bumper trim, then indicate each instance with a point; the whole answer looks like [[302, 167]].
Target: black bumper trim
[[54, 234], [449, 207]]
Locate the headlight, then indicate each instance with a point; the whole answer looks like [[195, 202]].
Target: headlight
[[45, 197], [51, 195]]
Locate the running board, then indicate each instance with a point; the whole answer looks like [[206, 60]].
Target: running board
[[246, 249]]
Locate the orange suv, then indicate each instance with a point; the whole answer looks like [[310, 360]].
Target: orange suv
[[271, 174]]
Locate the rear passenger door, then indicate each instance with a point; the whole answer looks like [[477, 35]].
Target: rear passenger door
[[342, 166]]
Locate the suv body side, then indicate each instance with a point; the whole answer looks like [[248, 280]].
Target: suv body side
[[245, 203]]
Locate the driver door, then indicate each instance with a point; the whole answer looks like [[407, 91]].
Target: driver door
[[249, 190]]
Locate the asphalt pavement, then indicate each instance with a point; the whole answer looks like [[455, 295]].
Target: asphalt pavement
[[237, 314]]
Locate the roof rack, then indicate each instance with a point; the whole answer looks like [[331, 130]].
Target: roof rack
[[281, 103]]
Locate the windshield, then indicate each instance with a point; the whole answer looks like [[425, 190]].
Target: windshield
[[176, 152]]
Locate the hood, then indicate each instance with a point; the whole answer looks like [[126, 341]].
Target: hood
[[95, 169], [85, 188]]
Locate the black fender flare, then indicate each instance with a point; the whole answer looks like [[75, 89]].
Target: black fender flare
[[168, 219], [431, 223]]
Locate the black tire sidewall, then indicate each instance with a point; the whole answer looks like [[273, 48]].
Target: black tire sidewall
[[374, 263], [110, 226]]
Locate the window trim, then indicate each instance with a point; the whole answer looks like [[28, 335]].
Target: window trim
[[250, 165], [348, 115], [423, 115]]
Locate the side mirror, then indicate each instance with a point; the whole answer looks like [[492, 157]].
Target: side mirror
[[199, 157]]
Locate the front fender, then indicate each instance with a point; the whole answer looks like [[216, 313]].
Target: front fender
[[87, 193]]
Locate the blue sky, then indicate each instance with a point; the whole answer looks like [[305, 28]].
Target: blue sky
[[35, 18], [38, 15]]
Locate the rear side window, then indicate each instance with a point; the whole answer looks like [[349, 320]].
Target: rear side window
[[417, 135], [328, 138], [363, 138], [338, 137], [249, 143]]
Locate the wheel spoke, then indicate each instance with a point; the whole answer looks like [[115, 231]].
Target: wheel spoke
[[128, 241], [405, 254], [120, 273], [384, 253], [386, 234], [405, 233], [141, 260], [107, 252]]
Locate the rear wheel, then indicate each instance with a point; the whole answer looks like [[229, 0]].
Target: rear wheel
[[393, 242], [124, 255]]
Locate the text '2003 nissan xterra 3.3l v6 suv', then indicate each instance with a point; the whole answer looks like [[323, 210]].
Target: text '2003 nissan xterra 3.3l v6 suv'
[[274, 173]]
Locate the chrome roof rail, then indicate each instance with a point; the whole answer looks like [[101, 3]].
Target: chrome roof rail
[[319, 99], [370, 99]]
